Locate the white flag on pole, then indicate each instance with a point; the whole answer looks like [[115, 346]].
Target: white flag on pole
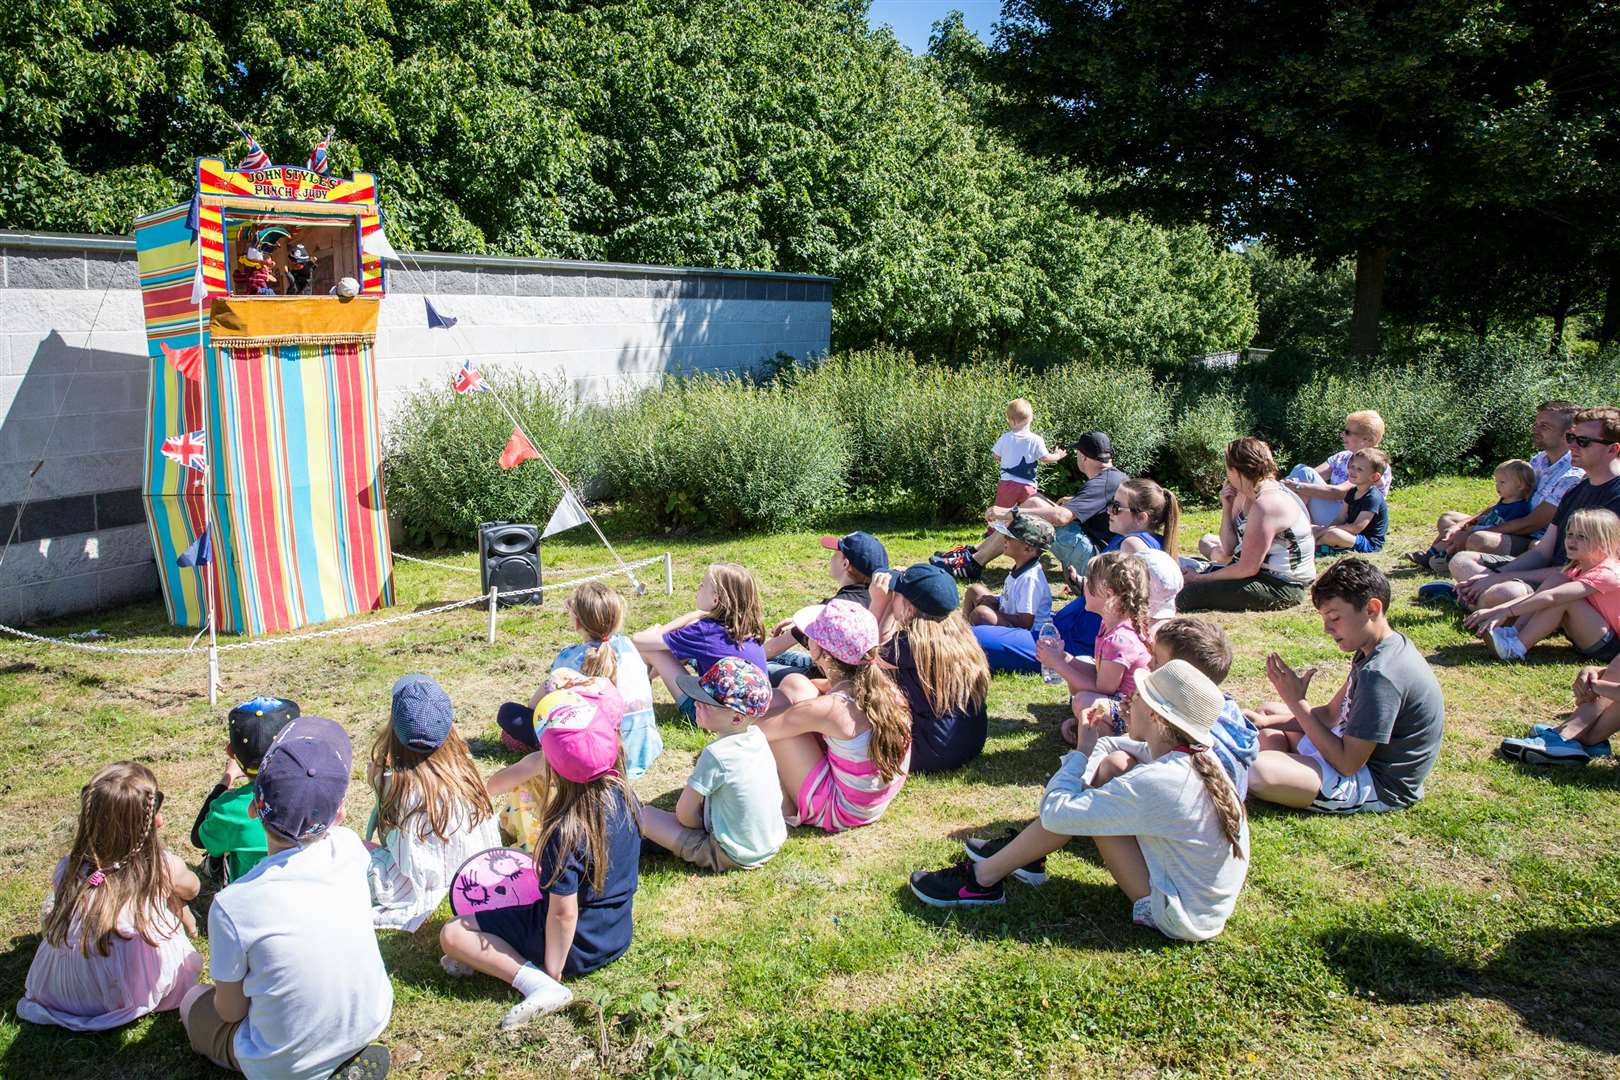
[[567, 515], [198, 288], [376, 243]]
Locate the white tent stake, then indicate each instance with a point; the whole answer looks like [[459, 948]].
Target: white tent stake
[[494, 601]]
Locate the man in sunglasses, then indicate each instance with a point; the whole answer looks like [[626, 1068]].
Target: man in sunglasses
[[1594, 445]]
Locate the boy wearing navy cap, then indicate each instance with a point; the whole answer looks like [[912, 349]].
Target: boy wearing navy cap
[[299, 986], [856, 558], [234, 841]]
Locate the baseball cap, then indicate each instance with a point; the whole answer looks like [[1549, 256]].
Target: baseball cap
[[1095, 445], [731, 683], [928, 588], [421, 713], [846, 630], [1029, 530], [1185, 697], [252, 726], [865, 552], [302, 778], [579, 729]]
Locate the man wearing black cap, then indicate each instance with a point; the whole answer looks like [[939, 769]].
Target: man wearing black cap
[[1081, 522]]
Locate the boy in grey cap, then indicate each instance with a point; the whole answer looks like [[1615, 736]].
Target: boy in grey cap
[[299, 987]]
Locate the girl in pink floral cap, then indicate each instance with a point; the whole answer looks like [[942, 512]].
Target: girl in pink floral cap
[[842, 753]]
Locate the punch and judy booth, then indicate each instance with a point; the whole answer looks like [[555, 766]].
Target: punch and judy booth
[[263, 475]]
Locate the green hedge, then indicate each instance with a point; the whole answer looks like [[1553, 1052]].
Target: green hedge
[[442, 451]]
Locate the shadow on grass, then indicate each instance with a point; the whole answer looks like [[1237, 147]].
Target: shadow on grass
[[1560, 980], [1065, 911]]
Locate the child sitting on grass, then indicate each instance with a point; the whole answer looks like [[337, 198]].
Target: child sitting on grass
[[114, 942], [1171, 830], [729, 815], [1117, 590], [234, 841], [1326, 485], [432, 812], [1585, 606], [1025, 604], [1515, 490], [299, 986], [587, 859], [855, 560], [728, 621], [597, 614], [1364, 520], [1018, 451], [1584, 734]]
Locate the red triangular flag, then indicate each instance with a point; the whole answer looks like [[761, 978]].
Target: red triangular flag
[[187, 361], [518, 450]]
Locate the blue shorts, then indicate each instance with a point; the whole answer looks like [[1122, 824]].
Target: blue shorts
[[1364, 545]]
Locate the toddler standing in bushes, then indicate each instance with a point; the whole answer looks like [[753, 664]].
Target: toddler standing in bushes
[[597, 613], [1019, 450], [728, 621], [1325, 486]]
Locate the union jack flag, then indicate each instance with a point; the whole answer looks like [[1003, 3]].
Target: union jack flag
[[468, 380], [186, 449], [319, 162], [256, 157]]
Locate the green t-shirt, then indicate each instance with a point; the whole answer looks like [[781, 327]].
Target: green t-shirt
[[225, 829], [742, 798]]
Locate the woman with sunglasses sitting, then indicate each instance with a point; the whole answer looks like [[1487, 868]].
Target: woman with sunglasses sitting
[[1594, 445]]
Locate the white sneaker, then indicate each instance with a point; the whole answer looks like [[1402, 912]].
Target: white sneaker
[[1506, 644], [455, 967], [547, 999]]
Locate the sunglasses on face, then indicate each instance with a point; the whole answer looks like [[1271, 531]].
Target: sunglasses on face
[[1346, 432], [1117, 507], [1583, 441]]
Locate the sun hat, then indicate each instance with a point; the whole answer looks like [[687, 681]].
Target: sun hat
[[421, 712], [731, 683], [1034, 531], [1095, 445], [930, 590], [579, 729], [303, 777], [865, 552], [253, 725], [1185, 697], [846, 630]]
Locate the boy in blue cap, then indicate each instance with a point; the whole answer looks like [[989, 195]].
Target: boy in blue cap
[[856, 559], [299, 986]]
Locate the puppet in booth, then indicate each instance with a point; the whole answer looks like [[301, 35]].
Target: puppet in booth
[[300, 269], [254, 275]]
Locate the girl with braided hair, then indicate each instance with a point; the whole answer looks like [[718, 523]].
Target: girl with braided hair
[[115, 944], [1171, 830], [1117, 591]]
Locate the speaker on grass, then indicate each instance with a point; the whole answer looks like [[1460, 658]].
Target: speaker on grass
[[509, 559]]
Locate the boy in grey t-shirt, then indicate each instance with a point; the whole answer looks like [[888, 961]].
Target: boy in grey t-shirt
[[1371, 747]]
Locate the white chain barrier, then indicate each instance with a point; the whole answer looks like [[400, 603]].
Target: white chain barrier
[[590, 573]]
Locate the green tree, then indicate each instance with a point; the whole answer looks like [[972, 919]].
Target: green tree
[[1329, 129]]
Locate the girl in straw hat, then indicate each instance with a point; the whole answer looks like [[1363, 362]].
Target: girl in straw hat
[[1171, 830]]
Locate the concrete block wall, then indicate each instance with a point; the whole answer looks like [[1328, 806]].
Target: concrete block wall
[[74, 371]]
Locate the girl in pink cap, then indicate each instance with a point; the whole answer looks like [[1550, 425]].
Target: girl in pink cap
[[843, 753]]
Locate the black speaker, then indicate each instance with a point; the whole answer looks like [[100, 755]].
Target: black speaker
[[509, 559]]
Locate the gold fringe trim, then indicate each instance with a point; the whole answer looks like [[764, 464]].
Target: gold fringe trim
[[221, 342]]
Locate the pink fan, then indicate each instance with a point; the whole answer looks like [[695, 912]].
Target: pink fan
[[494, 879]]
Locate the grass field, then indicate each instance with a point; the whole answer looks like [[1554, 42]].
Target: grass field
[[1475, 935]]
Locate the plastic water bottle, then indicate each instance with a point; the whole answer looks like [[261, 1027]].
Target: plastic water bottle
[[1050, 632]]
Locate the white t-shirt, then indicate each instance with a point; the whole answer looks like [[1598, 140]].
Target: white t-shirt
[[296, 931], [408, 875], [742, 796], [1026, 592], [1019, 451], [1194, 877]]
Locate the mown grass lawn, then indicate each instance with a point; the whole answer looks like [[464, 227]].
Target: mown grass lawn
[[1475, 935]]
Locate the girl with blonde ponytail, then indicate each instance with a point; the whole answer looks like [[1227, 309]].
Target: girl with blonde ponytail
[[842, 755], [1170, 830], [115, 944], [597, 614]]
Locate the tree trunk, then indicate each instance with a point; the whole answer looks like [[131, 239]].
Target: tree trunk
[[1610, 328], [1370, 266], [1566, 297]]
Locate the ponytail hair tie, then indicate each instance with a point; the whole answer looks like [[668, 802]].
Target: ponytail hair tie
[[96, 879]]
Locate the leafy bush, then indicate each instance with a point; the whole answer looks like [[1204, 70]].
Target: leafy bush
[[865, 390], [1072, 399], [725, 453], [1432, 426], [1193, 460], [442, 451]]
